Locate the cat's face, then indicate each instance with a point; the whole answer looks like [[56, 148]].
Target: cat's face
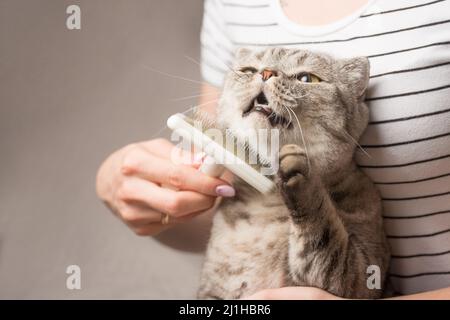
[[298, 92]]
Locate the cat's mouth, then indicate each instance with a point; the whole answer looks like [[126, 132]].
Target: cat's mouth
[[261, 104]]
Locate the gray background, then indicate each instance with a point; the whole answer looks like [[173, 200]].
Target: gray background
[[68, 99]]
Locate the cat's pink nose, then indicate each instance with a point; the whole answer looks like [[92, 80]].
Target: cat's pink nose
[[267, 74]]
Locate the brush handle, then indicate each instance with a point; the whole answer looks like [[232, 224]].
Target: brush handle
[[184, 128], [211, 168]]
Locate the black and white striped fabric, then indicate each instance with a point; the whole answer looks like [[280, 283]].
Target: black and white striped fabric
[[408, 139]]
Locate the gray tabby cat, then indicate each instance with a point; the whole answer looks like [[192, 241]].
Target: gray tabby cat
[[322, 227]]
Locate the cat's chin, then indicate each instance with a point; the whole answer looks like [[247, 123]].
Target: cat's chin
[[254, 121]]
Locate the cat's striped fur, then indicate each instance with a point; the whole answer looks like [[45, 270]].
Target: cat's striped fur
[[322, 226]]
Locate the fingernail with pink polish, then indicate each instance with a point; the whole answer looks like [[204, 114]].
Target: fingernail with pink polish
[[225, 191]]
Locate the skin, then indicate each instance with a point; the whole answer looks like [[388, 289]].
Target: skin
[[309, 293], [118, 184], [319, 12], [131, 187]]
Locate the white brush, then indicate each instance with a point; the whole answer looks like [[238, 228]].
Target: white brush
[[213, 164]]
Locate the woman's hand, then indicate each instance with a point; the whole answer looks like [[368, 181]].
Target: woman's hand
[[310, 293], [293, 293], [145, 181]]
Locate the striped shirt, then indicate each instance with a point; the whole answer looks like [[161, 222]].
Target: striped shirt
[[408, 138]]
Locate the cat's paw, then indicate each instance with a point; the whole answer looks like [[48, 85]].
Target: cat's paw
[[294, 166]]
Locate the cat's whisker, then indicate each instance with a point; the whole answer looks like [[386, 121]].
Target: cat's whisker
[[195, 107], [357, 144], [192, 59], [290, 115], [303, 139], [172, 75], [206, 103], [226, 65], [158, 133], [194, 96], [299, 96], [162, 129], [296, 132]]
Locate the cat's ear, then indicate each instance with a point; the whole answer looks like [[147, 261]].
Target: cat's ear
[[354, 73], [242, 53]]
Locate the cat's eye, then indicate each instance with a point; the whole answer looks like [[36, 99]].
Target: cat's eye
[[308, 77], [248, 70]]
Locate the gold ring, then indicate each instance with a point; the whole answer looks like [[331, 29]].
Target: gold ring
[[164, 218]]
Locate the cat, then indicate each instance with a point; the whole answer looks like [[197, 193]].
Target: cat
[[322, 225]]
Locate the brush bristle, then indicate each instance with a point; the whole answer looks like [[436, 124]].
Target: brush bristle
[[208, 121]]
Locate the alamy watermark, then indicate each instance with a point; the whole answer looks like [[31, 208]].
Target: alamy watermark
[[73, 21], [73, 281], [374, 278]]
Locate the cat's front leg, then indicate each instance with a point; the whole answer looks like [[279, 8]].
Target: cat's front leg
[[299, 185], [320, 252]]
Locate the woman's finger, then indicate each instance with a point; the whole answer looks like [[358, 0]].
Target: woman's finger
[[136, 213], [174, 203], [181, 177], [150, 229]]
